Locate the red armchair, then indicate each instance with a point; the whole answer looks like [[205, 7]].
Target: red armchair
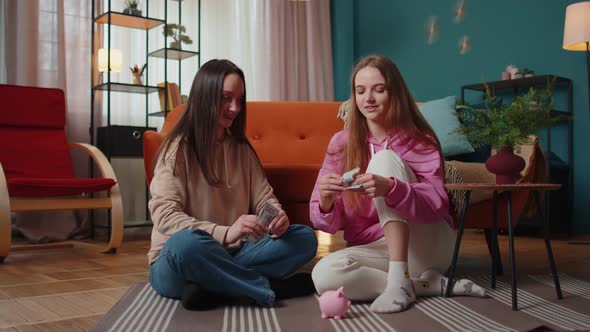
[[36, 171]]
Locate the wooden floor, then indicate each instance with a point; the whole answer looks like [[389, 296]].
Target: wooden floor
[[70, 289]]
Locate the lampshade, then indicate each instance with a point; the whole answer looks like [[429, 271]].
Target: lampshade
[[576, 32], [116, 59]]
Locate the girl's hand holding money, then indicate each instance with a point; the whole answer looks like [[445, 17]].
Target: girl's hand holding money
[[279, 224], [246, 224], [329, 185]]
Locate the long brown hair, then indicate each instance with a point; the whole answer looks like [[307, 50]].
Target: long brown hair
[[196, 128], [403, 117]]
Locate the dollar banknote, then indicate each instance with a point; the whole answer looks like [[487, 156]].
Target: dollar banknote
[[266, 214]]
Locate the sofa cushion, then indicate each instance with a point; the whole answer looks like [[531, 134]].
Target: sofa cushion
[[482, 153], [291, 139], [51, 101], [35, 152], [441, 115], [53, 187], [292, 133], [460, 172], [292, 183]]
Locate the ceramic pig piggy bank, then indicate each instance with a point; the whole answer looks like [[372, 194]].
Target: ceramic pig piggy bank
[[334, 304]]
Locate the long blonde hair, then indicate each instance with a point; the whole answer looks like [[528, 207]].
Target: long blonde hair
[[402, 116]]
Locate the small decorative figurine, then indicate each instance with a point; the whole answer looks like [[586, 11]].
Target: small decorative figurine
[[137, 73], [334, 304]]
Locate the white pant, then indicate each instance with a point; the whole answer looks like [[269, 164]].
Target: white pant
[[362, 270]]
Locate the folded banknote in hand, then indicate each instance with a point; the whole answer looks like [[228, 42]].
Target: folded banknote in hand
[[266, 214]]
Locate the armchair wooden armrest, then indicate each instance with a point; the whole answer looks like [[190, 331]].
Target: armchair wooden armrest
[[113, 202], [115, 193], [4, 216]]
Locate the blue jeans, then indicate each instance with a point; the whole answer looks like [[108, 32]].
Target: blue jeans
[[194, 255]]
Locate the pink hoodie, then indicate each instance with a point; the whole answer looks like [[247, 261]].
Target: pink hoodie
[[424, 202]]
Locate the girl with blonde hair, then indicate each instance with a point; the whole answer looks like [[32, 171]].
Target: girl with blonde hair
[[395, 214]]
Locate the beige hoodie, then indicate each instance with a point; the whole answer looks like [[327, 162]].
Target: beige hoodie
[[184, 200]]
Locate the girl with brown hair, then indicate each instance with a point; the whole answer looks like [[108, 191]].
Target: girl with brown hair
[[207, 192]]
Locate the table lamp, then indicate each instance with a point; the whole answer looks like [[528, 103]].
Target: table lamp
[[116, 59]]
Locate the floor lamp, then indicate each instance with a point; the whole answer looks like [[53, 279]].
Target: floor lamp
[[576, 35]]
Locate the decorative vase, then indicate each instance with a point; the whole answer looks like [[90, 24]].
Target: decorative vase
[[137, 79], [506, 165], [175, 45]]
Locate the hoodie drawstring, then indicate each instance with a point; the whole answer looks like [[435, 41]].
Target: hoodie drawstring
[[226, 168], [386, 145]]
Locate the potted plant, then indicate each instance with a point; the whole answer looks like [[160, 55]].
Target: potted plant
[[505, 126], [131, 8], [176, 31]]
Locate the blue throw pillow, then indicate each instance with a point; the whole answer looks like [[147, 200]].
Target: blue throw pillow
[[480, 155], [442, 117]]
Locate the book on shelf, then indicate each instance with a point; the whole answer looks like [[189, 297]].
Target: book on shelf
[[175, 92], [174, 98]]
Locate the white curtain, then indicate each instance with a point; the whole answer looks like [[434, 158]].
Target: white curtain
[[47, 45], [284, 47]]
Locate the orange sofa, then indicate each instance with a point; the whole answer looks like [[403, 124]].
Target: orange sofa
[[290, 139]]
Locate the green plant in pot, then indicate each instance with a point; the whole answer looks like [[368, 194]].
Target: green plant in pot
[[505, 127], [176, 31]]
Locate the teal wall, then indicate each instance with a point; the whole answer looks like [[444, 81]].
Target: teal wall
[[526, 33]]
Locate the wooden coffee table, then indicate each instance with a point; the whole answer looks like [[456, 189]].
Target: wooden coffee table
[[507, 189]]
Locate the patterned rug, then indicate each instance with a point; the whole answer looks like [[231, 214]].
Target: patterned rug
[[141, 309]]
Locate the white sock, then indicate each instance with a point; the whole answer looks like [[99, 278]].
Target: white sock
[[433, 283], [399, 292]]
